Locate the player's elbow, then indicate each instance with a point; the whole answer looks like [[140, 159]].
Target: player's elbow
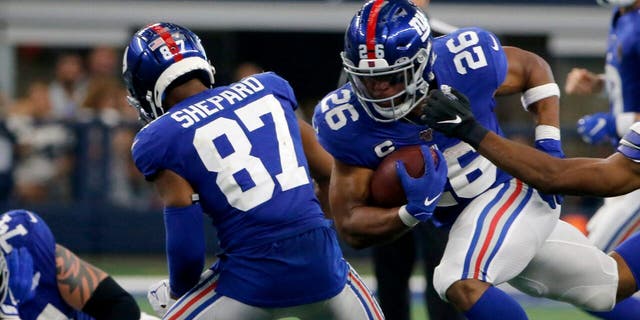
[[110, 301], [356, 242], [348, 233]]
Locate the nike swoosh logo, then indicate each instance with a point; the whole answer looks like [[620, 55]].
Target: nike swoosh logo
[[601, 123], [32, 218], [495, 44], [429, 201], [455, 120]]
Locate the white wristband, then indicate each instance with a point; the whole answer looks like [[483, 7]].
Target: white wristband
[[624, 122], [406, 217], [544, 131], [538, 93]]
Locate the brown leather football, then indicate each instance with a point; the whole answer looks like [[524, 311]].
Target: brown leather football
[[386, 190]]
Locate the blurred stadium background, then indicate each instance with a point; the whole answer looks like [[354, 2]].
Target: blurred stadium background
[[65, 127]]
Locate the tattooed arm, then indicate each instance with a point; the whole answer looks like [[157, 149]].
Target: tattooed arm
[[91, 290], [77, 279]]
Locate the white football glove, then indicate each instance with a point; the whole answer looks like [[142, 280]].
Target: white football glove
[[159, 297]]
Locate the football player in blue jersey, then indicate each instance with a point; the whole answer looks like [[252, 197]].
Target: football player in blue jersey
[[40, 279], [619, 216], [616, 175], [394, 262], [502, 230], [234, 153]]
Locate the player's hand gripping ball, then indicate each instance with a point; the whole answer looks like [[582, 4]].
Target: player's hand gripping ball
[[386, 190]]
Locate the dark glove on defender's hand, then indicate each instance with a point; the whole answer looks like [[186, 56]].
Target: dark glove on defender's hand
[[449, 112]]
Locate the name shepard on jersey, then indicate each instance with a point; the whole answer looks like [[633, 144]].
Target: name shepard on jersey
[[236, 92]]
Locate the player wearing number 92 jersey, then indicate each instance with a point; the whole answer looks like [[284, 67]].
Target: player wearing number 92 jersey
[[41, 279], [24, 230], [502, 230], [238, 149]]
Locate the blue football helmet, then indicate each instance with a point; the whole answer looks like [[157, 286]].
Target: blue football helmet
[[157, 55], [389, 41]]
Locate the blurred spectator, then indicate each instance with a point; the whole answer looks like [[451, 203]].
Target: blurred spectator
[[43, 148], [102, 101], [103, 61], [7, 162], [68, 87], [109, 125], [4, 102], [128, 188]]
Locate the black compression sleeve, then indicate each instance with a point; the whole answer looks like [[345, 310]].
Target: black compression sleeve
[[110, 301]]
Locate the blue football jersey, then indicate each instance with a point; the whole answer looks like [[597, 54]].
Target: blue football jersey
[[623, 63], [20, 228], [470, 60], [239, 147]]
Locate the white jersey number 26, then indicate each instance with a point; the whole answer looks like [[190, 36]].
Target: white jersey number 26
[[467, 52]]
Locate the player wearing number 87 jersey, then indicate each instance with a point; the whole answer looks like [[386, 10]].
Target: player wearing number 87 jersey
[[235, 153], [502, 230]]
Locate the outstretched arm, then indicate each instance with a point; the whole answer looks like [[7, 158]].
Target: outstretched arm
[[89, 289], [612, 176], [615, 175]]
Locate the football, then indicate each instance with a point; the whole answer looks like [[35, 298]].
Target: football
[[386, 190]]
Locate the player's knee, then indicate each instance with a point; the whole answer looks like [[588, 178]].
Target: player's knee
[[592, 299], [464, 293], [450, 287]]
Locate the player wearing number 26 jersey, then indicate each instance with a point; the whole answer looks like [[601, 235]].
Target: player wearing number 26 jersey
[[235, 153], [502, 230]]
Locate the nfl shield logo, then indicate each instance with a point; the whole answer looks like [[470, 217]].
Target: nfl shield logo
[[426, 135]]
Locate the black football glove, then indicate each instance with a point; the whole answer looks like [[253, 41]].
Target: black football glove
[[449, 112]]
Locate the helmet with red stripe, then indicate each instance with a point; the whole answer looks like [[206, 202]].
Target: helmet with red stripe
[[389, 41], [157, 56]]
